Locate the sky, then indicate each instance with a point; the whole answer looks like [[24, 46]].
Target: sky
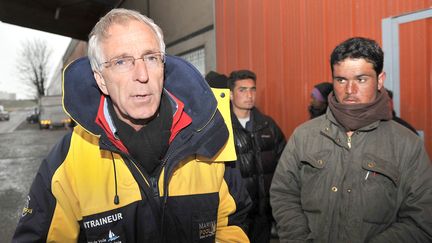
[[12, 38]]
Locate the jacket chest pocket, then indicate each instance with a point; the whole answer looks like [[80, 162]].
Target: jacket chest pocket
[[265, 140], [379, 190], [314, 177], [191, 218]]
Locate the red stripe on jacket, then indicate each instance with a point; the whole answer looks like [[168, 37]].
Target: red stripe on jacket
[[180, 121]]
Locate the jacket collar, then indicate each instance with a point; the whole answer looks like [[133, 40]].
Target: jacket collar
[[256, 118], [105, 121], [330, 128]]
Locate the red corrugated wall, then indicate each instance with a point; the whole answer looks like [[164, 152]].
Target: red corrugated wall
[[416, 76], [288, 43]]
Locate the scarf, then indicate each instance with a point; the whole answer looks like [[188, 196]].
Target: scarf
[[355, 116], [148, 145]]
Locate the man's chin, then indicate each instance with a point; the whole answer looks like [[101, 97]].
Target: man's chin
[[139, 117]]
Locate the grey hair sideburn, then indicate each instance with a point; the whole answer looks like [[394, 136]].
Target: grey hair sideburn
[[100, 32]]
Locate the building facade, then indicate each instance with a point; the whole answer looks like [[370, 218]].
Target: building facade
[[288, 44]]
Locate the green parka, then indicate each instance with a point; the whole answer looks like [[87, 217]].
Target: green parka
[[375, 186]]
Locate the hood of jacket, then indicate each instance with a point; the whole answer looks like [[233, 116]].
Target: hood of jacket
[[82, 99]]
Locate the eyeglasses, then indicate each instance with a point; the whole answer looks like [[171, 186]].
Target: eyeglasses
[[152, 61]]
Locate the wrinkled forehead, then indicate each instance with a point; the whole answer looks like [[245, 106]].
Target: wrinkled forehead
[[132, 38]]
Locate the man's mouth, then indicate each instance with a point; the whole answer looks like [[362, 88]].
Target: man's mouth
[[350, 100], [142, 97]]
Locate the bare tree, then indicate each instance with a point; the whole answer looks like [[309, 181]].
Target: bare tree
[[33, 64]]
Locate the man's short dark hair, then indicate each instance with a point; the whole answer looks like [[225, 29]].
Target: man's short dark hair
[[357, 48], [239, 75]]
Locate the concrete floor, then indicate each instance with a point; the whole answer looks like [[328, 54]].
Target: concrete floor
[[21, 153]]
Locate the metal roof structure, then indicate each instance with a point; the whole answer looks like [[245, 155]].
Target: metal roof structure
[[72, 18]]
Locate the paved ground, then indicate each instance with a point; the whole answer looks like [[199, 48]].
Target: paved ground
[[16, 117], [21, 153]]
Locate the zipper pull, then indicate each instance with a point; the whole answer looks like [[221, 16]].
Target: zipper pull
[[349, 141], [154, 185]]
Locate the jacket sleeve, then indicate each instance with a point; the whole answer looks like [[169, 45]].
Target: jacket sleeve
[[38, 210], [414, 219], [280, 140], [285, 198], [234, 206]]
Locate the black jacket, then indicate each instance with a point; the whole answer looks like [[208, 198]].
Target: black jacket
[[258, 149]]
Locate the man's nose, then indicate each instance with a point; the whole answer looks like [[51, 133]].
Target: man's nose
[[351, 87], [249, 93], [140, 71]]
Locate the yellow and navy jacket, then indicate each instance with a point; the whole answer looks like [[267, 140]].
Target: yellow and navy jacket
[[89, 189]]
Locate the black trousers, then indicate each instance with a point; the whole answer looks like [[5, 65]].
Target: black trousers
[[259, 229]]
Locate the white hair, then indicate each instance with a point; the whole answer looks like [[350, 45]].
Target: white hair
[[100, 32]]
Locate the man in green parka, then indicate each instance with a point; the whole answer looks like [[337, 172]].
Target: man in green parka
[[354, 175]]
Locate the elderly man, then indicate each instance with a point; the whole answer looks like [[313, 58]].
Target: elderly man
[[354, 175], [146, 161]]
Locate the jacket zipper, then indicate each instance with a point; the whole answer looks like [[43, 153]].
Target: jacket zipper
[[165, 186], [349, 141], [152, 180], [166, 176]]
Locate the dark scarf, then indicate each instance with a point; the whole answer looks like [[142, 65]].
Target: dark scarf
[[148, 145], [355, 116]]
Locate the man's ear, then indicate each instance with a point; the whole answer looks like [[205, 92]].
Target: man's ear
[[381, 79], [231, 95], [100, 82]]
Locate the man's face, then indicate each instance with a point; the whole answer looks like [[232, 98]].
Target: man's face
[[243, 94], [136, 93], [355, 81]]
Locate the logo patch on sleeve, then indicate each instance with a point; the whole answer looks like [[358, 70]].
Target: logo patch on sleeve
[[26, 210]]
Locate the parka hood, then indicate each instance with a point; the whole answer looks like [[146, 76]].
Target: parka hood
[[81, 97]]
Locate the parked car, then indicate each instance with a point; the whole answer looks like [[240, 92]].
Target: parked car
[[33, 117], [4, 115]]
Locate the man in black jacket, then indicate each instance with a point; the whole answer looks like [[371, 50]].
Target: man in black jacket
[[259, 143]]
